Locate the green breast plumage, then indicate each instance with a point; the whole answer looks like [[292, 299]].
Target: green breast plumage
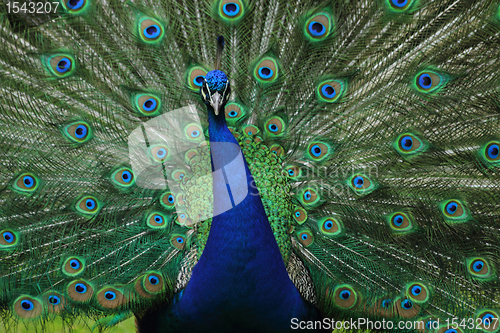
[[271, 178]]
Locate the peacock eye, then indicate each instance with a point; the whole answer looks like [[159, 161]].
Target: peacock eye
[[399, 5], [309, 197], [318, 27], [178, 241], [488, 320], [330, 91], [54, 300], [61, 65], [300, 215], [88, 205], [429, 81], [159, 153], [400, 222], [147, 104], [418, 292], [8, 239], [195, 78], [275, 126], [266, 70], [345, 296], [319, 151], [78, 132], [194, 132], [73, 266], [156, 221], [305, 237], [27, 307], [386, 303], [26, 183], [150, 30], [123, 177], [361, 184], [479, 267], [491, 152], [231, 10], [329, 226], [168, 200], [409, 144], [75, 6], [454, 211], [198, 81]]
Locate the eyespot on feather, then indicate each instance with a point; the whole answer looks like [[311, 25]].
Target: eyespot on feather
[[406, 308], [123, 177], [54, 301], [479, 268], [300, 215], [26, 183], [266, 70], [278, 150], [293, 172], [490, 153], [361, 184], [159, 153], [80, 291], [182, 218], [168, 200], [489, 320], [60, 65], [110, 298], [429, 81], [8, 239], [318, 151], [250, 130], [151, 31], [409, 144], [194, 132], [73, 266], [157, 220], [231, 11], [399, 6], [178, 175], [418, 292], [309, 196], [27, 307], [75, 7], [147, 105], [330, 226], [234, 112], [345, 296], [196, 77], [88, 205], [454, 211], [275, 127], [400, 222], [330, 91], [304, 236], [318, 27], [78, 132], [178, 241]]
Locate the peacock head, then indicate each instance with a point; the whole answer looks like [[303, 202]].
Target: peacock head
[[215, 90]]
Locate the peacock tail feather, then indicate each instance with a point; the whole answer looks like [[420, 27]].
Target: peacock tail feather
[[371, 128]]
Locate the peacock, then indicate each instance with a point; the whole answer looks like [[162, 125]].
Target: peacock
[[251, 165]]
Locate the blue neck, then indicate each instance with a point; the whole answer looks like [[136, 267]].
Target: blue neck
[[241, 277]]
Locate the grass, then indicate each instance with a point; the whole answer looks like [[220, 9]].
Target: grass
[[80, 326]]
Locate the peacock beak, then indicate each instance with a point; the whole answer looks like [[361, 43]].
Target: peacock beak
[[216, 102]]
